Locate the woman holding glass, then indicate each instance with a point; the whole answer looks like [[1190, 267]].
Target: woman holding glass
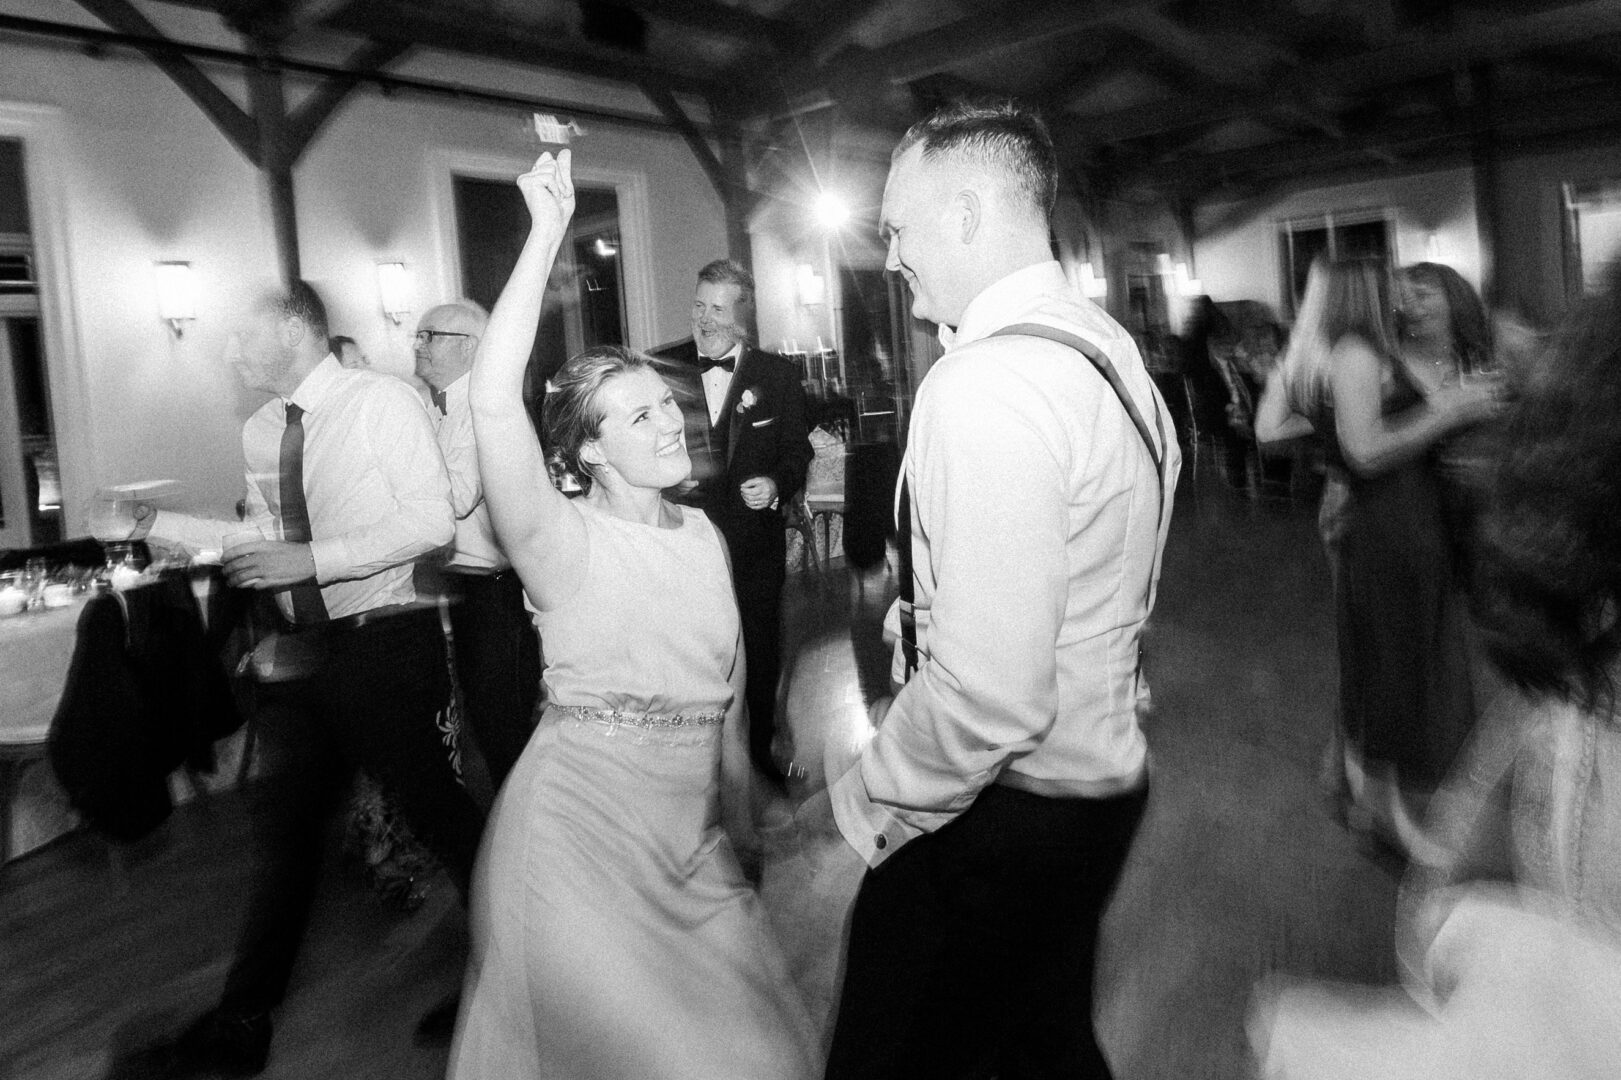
[[1406, 702], [614, 934]]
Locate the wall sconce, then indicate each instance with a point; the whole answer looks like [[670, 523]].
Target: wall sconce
[[177, 295], [1092, 287], [394, 287], [812, 286], [1185, 285]]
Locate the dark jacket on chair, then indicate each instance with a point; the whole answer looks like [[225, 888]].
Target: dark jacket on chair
[[145, 694]]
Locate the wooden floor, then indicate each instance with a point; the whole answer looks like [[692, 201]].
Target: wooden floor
[[1238, 870]]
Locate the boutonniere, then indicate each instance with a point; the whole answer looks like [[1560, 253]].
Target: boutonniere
[[746, 401]]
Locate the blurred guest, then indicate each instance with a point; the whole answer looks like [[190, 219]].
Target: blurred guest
[[745, 417], [497, 654], [347, 488], [1208, 334], [1298, 383], [347, 350], [1405, 698], [614, 934], [996, 803], [1445, 338], [1524, 978]]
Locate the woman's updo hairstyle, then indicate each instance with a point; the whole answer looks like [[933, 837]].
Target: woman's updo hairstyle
[[572, 416]]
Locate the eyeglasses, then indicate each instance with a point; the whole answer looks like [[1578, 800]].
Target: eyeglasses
[[425, 337]]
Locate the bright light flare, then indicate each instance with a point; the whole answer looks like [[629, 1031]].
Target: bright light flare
[[831, 211]]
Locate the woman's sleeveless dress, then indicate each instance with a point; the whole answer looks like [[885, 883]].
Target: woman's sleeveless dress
[[614, 934], [1405, 695]]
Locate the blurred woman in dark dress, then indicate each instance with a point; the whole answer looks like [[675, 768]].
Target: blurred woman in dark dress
[[1406, 703]]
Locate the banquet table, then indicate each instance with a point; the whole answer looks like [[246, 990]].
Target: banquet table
[[35, 650]]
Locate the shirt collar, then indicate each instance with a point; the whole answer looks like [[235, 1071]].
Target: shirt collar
[[1002, 302], [457, 391], [318, 384]]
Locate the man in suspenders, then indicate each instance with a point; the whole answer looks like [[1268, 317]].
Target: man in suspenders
[[996, 802]]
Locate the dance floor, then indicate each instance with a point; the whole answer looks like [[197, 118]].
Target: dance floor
[[1239, 869]]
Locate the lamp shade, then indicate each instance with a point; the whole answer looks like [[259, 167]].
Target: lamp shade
[[394, 289], [177, 291]]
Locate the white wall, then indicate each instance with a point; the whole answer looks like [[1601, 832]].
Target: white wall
[[1243, 262], [141, 175]]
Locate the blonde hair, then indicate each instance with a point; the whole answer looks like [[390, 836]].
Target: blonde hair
[[1305, 359]]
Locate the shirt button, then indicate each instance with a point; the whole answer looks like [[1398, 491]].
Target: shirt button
[[881, 842]]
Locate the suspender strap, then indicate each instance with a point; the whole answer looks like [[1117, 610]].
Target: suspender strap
[[903, 543], [1106, 368]]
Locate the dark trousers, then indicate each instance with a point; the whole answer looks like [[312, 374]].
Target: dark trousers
[[971, 949], [758, 575], [497, 665], [372, 703]]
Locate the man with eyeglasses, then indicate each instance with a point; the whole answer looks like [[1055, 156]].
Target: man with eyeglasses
[[497, 654]]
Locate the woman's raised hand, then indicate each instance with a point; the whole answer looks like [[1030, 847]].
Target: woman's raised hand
[[548, 190]]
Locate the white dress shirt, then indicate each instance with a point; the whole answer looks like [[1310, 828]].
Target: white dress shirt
[[374, 483], [475, 548], [717, 382], [1037, 525]]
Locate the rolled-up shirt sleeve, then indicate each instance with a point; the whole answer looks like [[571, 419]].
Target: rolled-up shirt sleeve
[[406, 461], [988, 495]]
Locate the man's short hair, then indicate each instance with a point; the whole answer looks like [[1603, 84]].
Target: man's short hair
[[1000, 133], [303, 303], [728, 272], [473, 312]]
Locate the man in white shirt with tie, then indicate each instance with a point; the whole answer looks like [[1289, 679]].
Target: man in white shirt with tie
[[996, 801], [348, 490], [497, 652]]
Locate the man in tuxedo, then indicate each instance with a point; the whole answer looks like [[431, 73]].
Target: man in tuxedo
[[746, 434]]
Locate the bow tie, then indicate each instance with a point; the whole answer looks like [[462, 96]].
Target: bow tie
[[438, 397], [707, 362]]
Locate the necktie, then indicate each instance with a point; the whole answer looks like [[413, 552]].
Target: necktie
[[438, 397], [308, 607], [707, 362]]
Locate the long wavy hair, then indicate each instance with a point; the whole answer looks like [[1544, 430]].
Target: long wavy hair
[[572, 415], [1305, 358], [1471, 330], [1549, 587]]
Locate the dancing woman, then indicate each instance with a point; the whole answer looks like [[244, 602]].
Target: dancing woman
[[1405, 696], [614, 934]]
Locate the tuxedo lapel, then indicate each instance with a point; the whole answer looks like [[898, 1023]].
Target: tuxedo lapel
[[728, 413]]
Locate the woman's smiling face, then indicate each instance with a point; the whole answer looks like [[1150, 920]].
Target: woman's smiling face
[[642, 437]]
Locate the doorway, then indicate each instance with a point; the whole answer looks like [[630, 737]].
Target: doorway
[[585, 295], [30, 484]]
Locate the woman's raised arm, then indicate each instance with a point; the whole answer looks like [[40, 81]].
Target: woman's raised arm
[[539, 529]]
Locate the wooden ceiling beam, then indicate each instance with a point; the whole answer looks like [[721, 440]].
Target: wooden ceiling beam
[[1407, 140], [1410, 57], [456, 27], [723, 20], [232, 119], [966, 39], [824, 32]]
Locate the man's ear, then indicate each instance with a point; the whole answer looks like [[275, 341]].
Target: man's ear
[[292, 331], [968, 211]]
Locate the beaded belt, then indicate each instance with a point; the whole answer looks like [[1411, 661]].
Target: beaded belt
[[613, 718]]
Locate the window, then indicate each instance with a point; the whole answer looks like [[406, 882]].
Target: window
[[1592, 234], [585, 295], [1361, 234]]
